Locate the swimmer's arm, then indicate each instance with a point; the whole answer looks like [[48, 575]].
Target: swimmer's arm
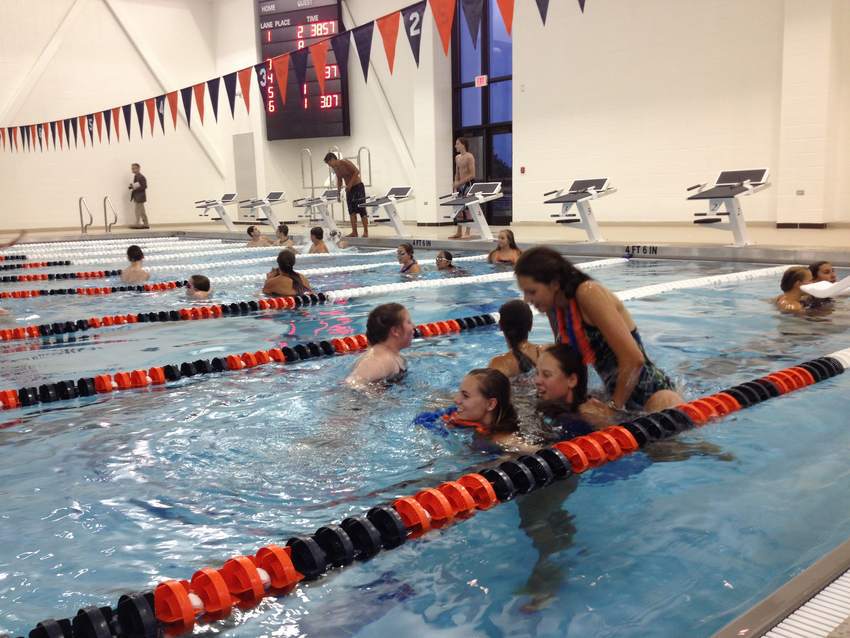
[[597, 413], [602, 312], [513, 443]]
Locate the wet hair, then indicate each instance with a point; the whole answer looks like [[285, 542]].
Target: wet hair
[[515, 320], [381, 320], [134, 253], [250, 230], [792, 276], [511, 243], [283, 228], [136, 164], [546, 265], [465, 143], [330, 157], [495, 385], [569, 362], [286, 267], [448, 257], [200, 282], [407, 248], [317, 232], [815, 268]]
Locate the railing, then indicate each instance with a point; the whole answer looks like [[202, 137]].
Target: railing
[[308, 154], [84, 228], [107, 202]]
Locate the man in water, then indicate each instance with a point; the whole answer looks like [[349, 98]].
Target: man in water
[[389, 329]]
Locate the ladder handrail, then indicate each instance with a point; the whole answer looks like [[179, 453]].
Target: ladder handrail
[[369, 163], [84, 228], [306, 152], [107, 226]]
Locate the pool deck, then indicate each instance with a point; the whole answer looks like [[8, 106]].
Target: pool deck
[[671, 241]]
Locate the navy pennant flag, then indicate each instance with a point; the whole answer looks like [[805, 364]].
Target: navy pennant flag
[[75, 129], [67, 124], [25, 136], [53, 133], [230, 89], [140, 115], [107, 119], [90, 126], [581, 5], [299, 64], [126, 109], [160, 111], [543, 8], [186, 94], [341, 45], [473, 9], [363, 41], [40, 141], [413, 16], [212, 89], [262, 71]]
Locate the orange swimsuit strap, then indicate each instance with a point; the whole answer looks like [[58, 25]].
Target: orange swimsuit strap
[[571, 331]]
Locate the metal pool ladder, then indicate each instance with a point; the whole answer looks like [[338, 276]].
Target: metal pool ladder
[[107, 203], [84, 228]]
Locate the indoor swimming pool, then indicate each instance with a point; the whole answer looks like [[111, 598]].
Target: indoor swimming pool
[[115, 493]]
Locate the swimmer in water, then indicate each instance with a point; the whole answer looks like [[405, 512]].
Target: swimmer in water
[[823, 271], [389, 330], [792, 298], [515, 321], [198, 287], [506, 252], [317, 236], [283, 281], [409, 266], [255, 238], [134, 273]]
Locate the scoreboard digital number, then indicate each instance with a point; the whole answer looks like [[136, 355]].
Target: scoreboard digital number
[[287, 25]]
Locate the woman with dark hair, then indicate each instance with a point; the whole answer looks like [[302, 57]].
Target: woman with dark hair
[[409, 266], [444, 261], [823, 271], [561, 383], [515, 321], [255, 238], [463, 180], [791, 299], [588, 316], [506, 252], [283, 281]]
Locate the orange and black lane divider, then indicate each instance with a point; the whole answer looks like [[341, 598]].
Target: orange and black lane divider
[[58, 276], [13, 258], [35, 264]]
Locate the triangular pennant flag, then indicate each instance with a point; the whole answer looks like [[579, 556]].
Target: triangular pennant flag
[[39, 129], [160, 111], [413, 16], [150, 104], [199, 90], [66, 125], [52, 133], [230, 89], [3, 137], [341, 45], [33, 135], [299, 65], [472, 10], [98, 120], [117, 119], [140, 116], [107, 119], [262, 71], [506, 8], [319, 52], [388, 26], [543, 8], [280, 70], [82, 121], [25, 137], [42, 136], [363, 42], [126, 110], [74, 125], [444, 15], [212, 89], [245, 83], [581, 5], [60, 128], [14, 136], [172, 104], [186, 94], [90, 127]]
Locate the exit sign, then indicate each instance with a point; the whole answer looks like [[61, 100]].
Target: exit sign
[[480, 81]]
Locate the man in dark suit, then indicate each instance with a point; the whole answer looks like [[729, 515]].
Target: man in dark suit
[[138, 188]]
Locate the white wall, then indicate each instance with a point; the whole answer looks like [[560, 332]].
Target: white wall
[[656, 94]]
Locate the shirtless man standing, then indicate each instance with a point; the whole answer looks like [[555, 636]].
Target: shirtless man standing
[[355, 191], [464, 178]]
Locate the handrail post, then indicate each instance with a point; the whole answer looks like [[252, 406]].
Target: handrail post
[[107, 226], [306, 152], [84, 228]]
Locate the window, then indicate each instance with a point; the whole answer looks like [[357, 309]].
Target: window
[[485, 114]]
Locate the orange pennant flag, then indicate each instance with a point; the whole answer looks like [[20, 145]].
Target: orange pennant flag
[[44, 135], [98, 120], [172, 104], [150, 105], [3, 137], [33, 135], [116, 123], [280, 68], [199, 98], [61, 133], [388, 26], [319, 51], [506, 8], [245, 83], [444, 15], [82, 120]]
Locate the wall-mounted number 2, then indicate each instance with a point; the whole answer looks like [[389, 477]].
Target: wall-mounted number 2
[[415, 26]]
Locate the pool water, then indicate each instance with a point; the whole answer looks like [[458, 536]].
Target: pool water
[[111, 494]]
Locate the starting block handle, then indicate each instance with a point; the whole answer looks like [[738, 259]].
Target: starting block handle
[[447, 196], [551, 193], [694, 187]]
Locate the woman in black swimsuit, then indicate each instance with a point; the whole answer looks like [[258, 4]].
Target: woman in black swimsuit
[[506, 252], [515, 320], [409, 266]]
